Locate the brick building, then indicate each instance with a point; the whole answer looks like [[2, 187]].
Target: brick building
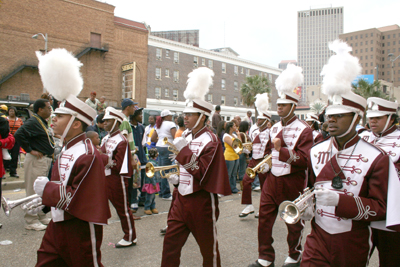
[[113, 50], [170, 62]]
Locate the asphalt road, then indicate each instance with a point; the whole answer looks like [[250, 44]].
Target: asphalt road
[[237, 238]]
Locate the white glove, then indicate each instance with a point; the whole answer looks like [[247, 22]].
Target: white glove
[[40, 184], [246, 151], [173, 179], [180, 143], [264, 168], [326, 197], [172, 157], [33, 207]]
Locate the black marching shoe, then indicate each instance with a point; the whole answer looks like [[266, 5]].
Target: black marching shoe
[[257, 264], [295, 264], [163, 231], [14, 175]]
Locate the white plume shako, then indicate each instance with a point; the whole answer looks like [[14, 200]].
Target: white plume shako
[[262, 105], [287, 81], [312, 117], [339, 73], [59, 71]]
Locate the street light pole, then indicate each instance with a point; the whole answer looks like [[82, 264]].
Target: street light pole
[[393, 59], [45, 39]]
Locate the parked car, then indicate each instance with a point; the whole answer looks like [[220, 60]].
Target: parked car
[[24, 108]]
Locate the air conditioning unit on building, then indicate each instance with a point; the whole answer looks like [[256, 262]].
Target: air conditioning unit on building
[[13, 97], [176, 98], [158, 77], [176, 80]]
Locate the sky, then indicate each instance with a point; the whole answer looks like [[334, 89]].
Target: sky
[[258, 30]]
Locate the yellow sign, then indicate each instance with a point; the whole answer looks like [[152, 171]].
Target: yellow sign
[[127, 67]]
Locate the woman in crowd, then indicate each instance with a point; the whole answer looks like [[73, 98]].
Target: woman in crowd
[[181, 126], [220, 132], [244, 157], [231, 158], [14, 123], [165, 127]]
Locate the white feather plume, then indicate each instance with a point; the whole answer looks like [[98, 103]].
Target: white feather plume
[[289, 79], [59, 71], [199, 83], [341, 69], [262, 102]]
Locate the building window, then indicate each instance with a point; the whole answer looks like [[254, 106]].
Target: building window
[[166, 94], [210, 63], [176, 76], [236, 86], [312, 93], [175, 94], [158, 53], [248, 72], [167, 53], [158, 73], [203, 61], [223, 84], [223, 67], [167, 73], [195, 61], [223, 100], [235, 101], [242, 71], [236, 70], [95, 40], [209, 98], [158, 92], [176, 57]]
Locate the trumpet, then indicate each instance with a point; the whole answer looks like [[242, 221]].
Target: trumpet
[[171, 147], [9, 205], [251, 172], [151, 170], [291, 212]]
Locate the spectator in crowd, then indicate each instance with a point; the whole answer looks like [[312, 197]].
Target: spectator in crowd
[[92, 101], [244, 157], [238, 120], [220, 132], [98, 127], [208, 125], [138, 134], [231, 158], [181, 126], [101, 107], [151, 185], [14, 123], [248, 118], [216, 118], [94, 137], [47, 96], [164, 128], [324, 130], [35, 139], [148, 132]]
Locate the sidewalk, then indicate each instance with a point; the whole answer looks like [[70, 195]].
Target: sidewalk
[[12, 183]]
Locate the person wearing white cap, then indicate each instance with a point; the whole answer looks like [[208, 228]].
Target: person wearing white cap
[[382, 119], [202, 175], [77, 191], [291, 140], [118, 170], [165, 127], [350, 176], [260, 149], [313, 122]]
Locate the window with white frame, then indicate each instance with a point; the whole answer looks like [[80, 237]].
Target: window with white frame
[[203, 61], [209, 98], [158, 73], [167, 73], [223, 100], [195, 60], [247, 72], [176, 76], [210, 63], [235, 101], [236, 86], [175, 94], [242, 70], [166, 92], [236, 70], [223, 84], [223, 67], [167, 53], [158, 92], [158, 53], [176, 57]]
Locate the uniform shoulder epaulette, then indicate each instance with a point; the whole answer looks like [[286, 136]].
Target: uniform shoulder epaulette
[[320, 142], [89, 146]]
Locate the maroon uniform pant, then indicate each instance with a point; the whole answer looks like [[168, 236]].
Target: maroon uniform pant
[[71, 243], [117, 190], [274, 192], [388, 245], [348, 249], [247, 181], [196, 213]]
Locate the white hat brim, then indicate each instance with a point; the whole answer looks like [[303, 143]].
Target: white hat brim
[[285, 101], [377, 113]]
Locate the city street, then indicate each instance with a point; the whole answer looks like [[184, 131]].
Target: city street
[[237, 238]]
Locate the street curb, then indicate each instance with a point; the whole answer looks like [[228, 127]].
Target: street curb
[[13, 185]]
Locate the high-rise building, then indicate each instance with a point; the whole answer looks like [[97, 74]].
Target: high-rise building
[[283, 64], [315, 29], [373, 47]]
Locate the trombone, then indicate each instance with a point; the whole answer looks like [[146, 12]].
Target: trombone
[[238, 146], [291, 212], [251, 172], [151, 170], [171, 147], [9, 205]]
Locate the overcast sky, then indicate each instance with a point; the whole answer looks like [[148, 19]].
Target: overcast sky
[[258, 30]]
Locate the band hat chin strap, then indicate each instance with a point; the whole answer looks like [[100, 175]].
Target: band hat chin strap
[[290, 112], [387, 123], [351, 126], [198, 121], [66, 130], [115, 122]]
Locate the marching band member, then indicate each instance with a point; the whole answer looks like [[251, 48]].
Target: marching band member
[[350, 176], [116, 152], [291, 140], [77, 192], [384, 133], [260, 150], [202, 176], [313, 121]]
